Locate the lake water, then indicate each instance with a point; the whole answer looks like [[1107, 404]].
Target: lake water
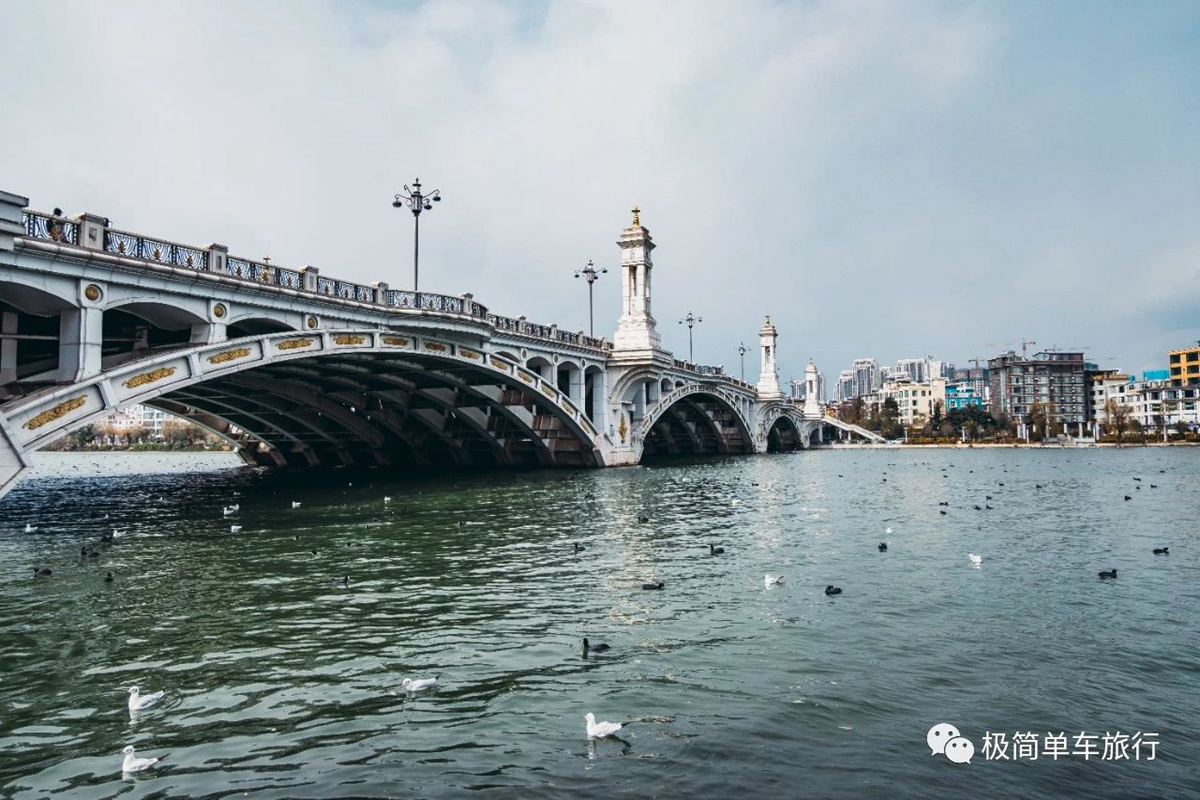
[[281, 683]]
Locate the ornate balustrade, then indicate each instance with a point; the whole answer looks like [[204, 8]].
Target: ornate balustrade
[[157, 250], [48, 226], [57, 228]]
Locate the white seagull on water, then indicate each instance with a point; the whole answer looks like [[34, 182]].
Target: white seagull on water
[[772, 580], [976, 560], [229, 511], [600, 730], [295, 504], [137, 702], [30, 528], [418, 685], [235, 528], [134, 764]]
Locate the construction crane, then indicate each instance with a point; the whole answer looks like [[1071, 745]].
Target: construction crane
[[1024, 345]]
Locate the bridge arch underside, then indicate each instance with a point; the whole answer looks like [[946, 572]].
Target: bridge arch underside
[[784, 436], [697, 424], [370, 409]]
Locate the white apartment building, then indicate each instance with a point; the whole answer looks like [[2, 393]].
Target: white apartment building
[[133, 417], [1151, 403]]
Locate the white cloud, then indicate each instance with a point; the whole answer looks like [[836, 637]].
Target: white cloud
[[786, 155]]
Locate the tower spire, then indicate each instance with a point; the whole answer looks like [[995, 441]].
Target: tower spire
[[636, 328]]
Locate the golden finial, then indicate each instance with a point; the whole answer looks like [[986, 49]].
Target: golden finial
[[637, 223]]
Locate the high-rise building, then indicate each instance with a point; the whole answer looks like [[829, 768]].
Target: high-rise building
[[1052, 379], [844, 389], [1185, 366], [866, 376]]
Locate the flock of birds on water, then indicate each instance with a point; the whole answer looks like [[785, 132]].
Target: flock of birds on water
[[138, 702]]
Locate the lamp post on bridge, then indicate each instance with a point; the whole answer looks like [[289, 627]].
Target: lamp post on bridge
[[417, 202], [691, 323], [592, 276], [742, 354]]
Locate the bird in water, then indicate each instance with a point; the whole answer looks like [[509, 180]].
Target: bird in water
[[713, 550], [138, 701], [1162, 551], [134, 764], [108, 578], [883, 547], [977, 508], [345, 581], [593, 648], [1127, 497], [942, 512], [976, 560], [600, 730], [418, 684], [772, 580], [579, 547], [295, 504], [1112, 573], [41, 572], [235, 528], [1154, 486], [30, 528], [643, 519], [830, 591], [653, 587]]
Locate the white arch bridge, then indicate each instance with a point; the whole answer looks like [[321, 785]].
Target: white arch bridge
[[295, 368]]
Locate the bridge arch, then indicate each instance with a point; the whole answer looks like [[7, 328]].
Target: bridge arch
[[694, 419], [341, 397]]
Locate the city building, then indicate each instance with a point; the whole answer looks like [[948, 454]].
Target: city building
[[1184, 366], [137, 417], [1053, 379], [1156, 404], [962, 394], [972, 383], [1102, 386], [915, 401], [866, 376], [844, 389]]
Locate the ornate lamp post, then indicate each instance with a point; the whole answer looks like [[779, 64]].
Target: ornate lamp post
[[691, 323], [592, 276], [417, 202], [742, 353]]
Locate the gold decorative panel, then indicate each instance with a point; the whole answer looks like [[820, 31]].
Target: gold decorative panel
[[229, 355], [436, 347], [347, 339], [395, 341], [60, 410], [294, 344], [471, 354], [149, 377]]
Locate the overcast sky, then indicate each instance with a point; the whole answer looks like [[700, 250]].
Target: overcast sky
[[884, 179]]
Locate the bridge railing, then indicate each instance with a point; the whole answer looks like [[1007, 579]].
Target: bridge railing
[[214, 258], [261, 272], [52, 227], [711, 372], [160, 251]]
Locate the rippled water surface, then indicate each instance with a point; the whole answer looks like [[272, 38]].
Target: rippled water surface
[[281, 683]]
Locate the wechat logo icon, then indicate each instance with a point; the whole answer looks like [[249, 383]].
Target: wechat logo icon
[[944, 739]]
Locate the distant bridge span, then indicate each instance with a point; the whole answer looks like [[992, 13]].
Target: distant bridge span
[[294, 368]]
